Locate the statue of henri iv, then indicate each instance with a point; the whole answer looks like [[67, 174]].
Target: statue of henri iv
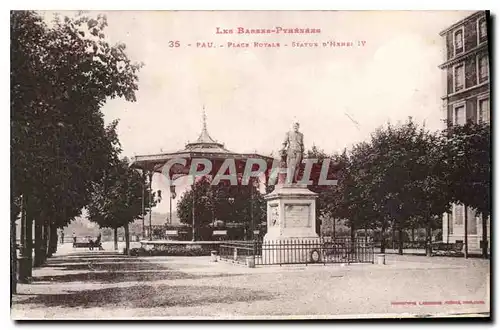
[[293, 150]]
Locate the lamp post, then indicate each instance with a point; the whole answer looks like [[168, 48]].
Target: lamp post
[[251, 210], [142, 200], [193, 232], [172, 196], [156, 199], [152, 198], [150, 174]]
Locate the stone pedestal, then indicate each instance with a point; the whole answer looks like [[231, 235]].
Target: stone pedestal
[[291, 225]]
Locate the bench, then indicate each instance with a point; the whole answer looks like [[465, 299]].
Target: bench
[[89, 245], [448, 248]]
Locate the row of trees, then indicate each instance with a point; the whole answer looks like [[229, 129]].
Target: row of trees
[[63, 156], [407, 177], [404, 177], [119, 198]]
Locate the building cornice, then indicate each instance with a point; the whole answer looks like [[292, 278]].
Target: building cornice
[[465, 90], [476, 15], [463, 56]]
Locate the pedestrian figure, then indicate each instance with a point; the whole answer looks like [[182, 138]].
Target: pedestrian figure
[[62, 237], [91, 243], [74, 239], [98, 243]]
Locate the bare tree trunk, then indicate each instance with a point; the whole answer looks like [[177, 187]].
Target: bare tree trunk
[[13, 257], [400, 239], [28, 242], [413, 235], [116, 239], [466, 233], [24, 262], [448, 220], [38, 241], [382, 238], [53, 238], [393, 236], [127, 239], [485, 236], [429, 239], [353, 237], [45, 242]]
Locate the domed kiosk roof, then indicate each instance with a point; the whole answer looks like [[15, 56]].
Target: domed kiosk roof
[[204, 147], [205, 142]]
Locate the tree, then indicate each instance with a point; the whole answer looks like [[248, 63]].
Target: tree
[[324, 200], [27, 32], [60, 78], [241, 204], [204, 204], [416, 183], [355, 195], [469, 161], [430, 184], [393, 179], [116, 201], [245, 204]]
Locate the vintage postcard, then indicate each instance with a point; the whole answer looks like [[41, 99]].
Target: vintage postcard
[[250, 165]]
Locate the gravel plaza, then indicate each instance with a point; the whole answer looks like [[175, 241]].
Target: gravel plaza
[[102, 284], [250, 165]]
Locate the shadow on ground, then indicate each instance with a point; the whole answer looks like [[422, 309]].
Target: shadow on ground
[[111, 268], [124, 276], [148, 296], [83, 257], [112, 277], [435, 253]]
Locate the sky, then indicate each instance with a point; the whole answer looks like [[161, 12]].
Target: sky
[[253, 95]]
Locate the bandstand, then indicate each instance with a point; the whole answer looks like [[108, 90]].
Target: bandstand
[[205, 147]]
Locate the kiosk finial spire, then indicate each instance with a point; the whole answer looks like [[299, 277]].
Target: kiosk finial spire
[[204, 119]]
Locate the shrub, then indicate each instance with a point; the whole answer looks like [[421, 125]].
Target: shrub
[[138, 252], [169, 251]]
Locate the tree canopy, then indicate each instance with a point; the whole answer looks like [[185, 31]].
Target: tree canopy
[[468, 161], [62, 73], [231, 204]]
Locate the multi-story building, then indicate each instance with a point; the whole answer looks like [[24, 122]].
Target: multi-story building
[[467, 73]]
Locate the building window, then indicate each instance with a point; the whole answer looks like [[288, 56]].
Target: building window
[[458, 38], [459, 77], [482, 30], [458, 214], [483, 110], [459, 114], [483, 71]]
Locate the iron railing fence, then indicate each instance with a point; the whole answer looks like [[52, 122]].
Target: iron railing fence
[[237, 251], [298, 251]]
